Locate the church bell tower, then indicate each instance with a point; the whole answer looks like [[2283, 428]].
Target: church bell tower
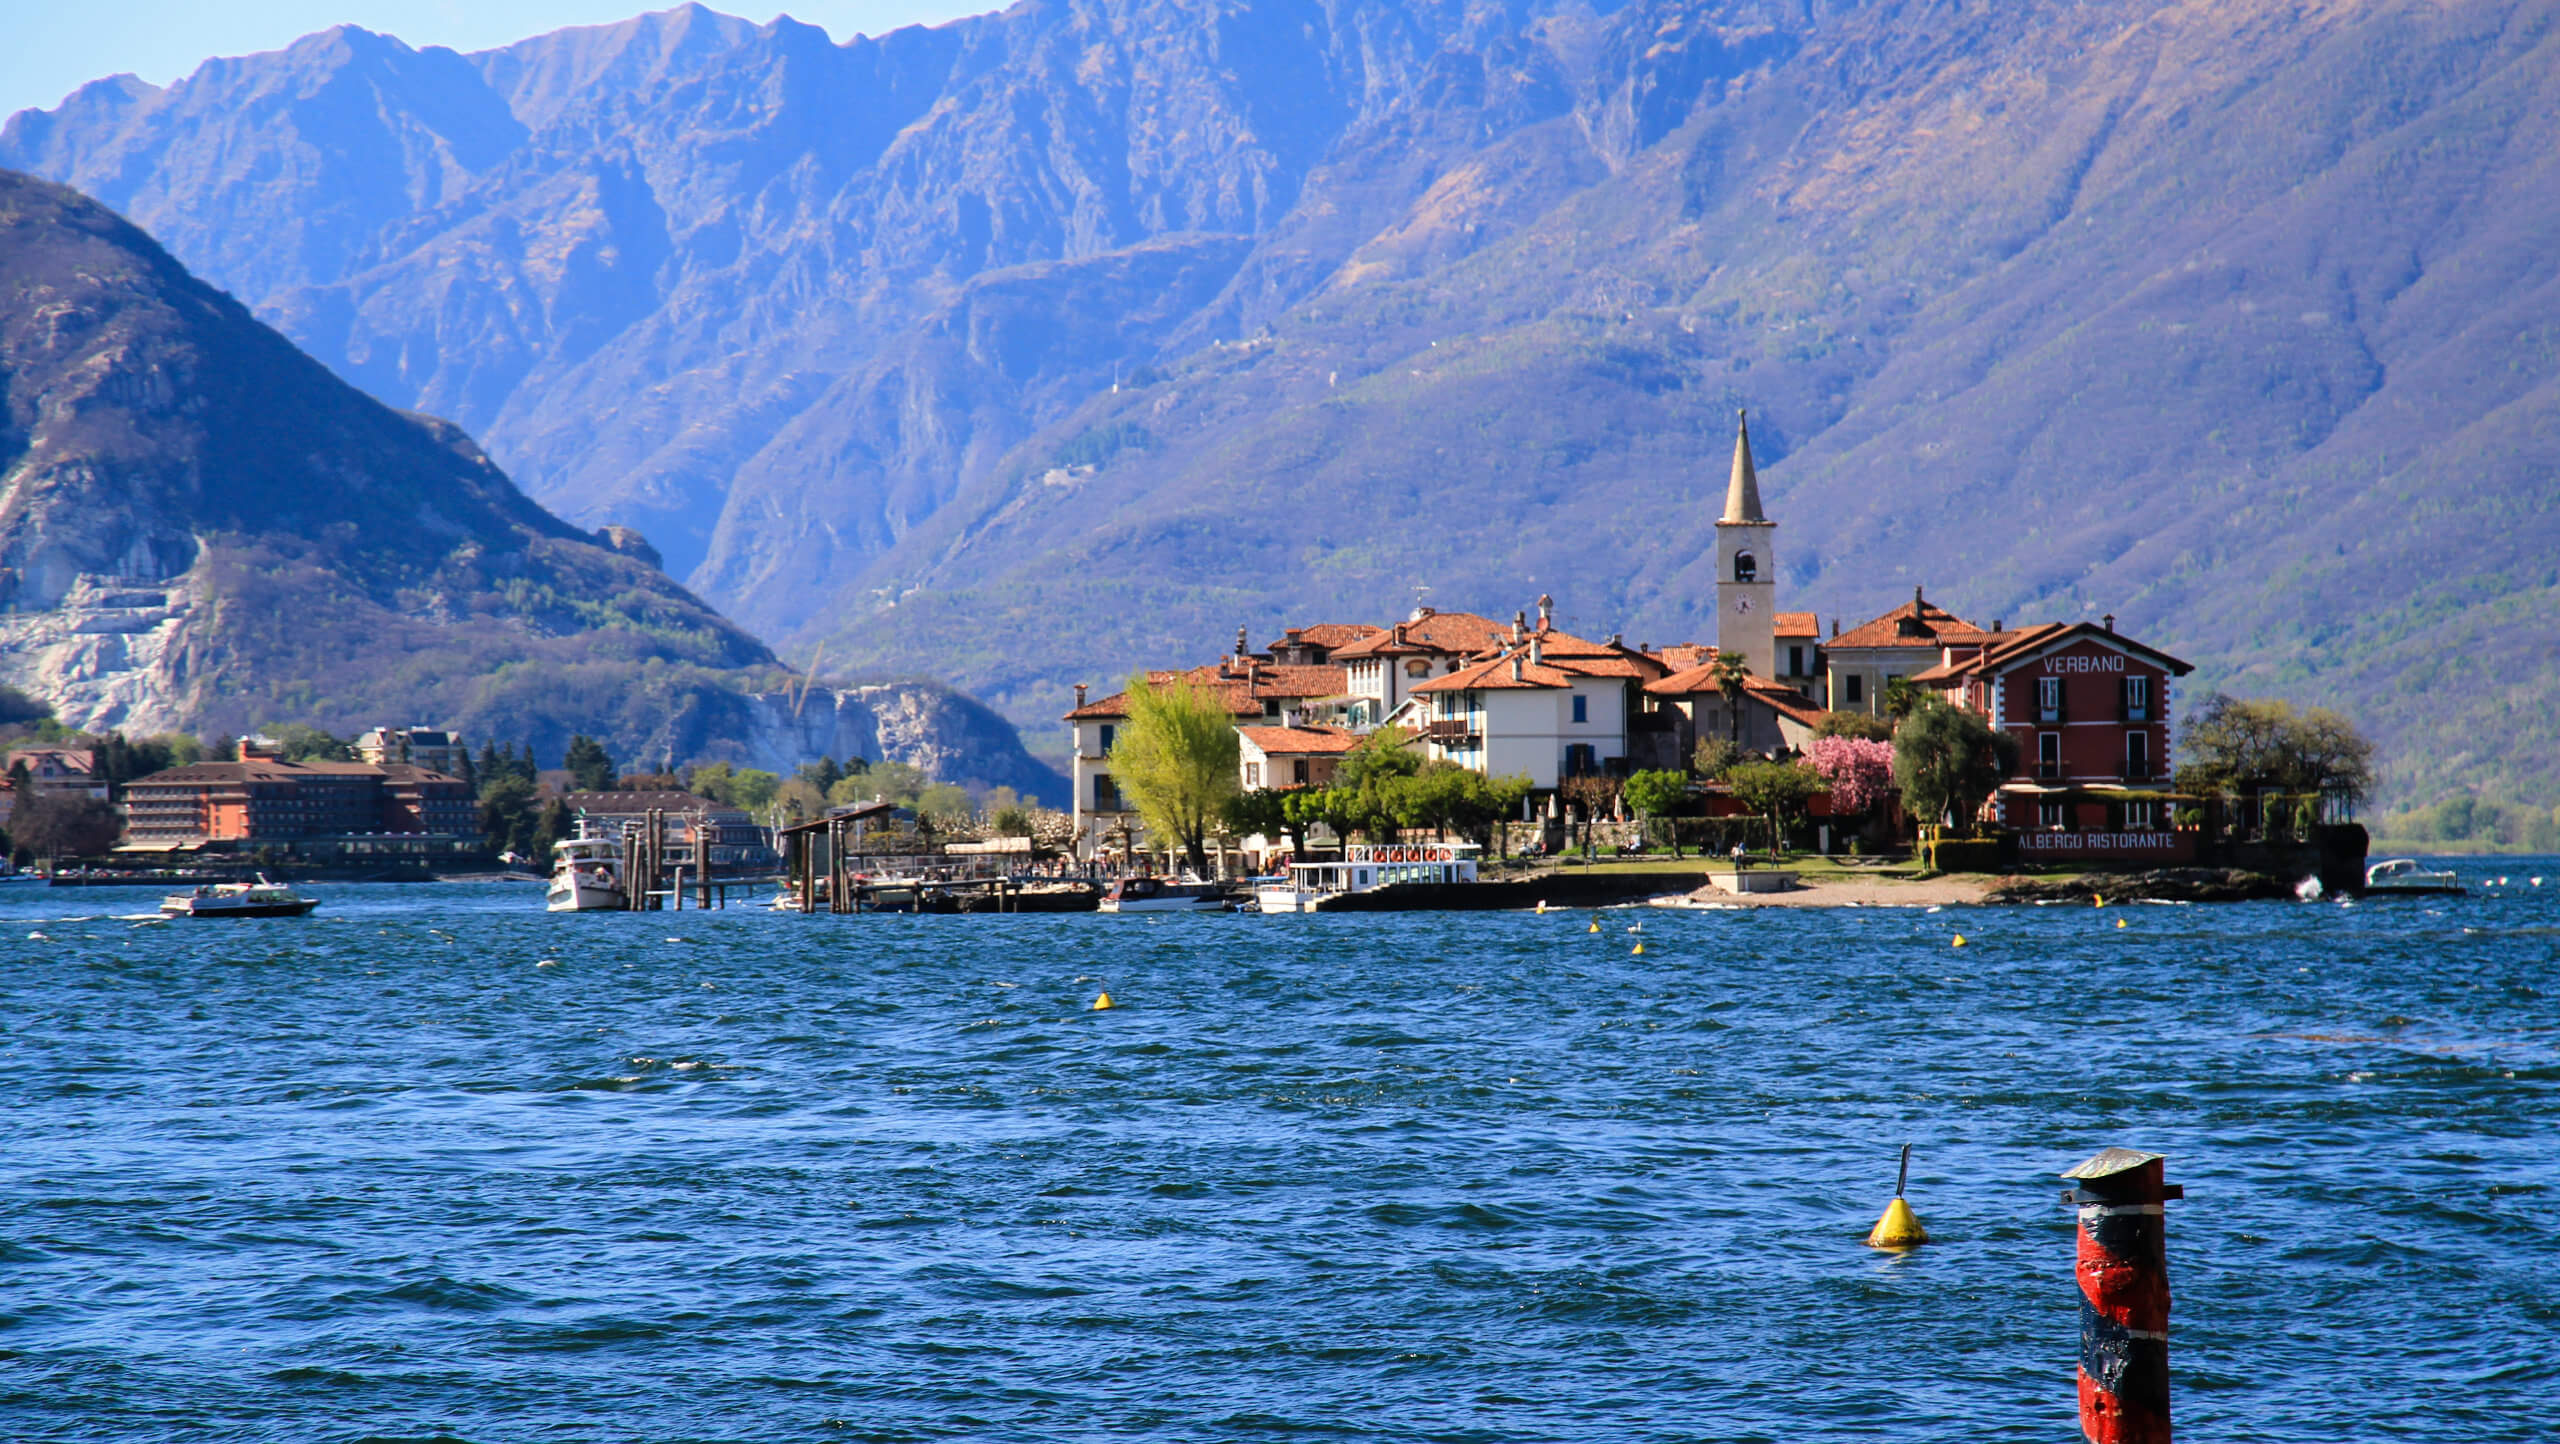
[[1746, 566]]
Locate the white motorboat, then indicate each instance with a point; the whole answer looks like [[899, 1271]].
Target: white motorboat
[[1164, 895], [260, 899], [1367, 868], [2403, 876], [586, 876]]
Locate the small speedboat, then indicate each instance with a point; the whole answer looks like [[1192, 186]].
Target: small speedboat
[[1164, 895], [260, 899], [2402, 876]]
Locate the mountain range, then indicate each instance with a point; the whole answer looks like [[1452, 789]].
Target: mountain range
[[203, 529], [1032, 347]]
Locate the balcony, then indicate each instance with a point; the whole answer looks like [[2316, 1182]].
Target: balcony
[[2137, 770], [2048, 772], [1451, 732]]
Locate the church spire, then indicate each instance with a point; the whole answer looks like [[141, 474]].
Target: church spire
[[1742, 494]]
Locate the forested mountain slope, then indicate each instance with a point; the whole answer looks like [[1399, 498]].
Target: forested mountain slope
[[2236, 320]]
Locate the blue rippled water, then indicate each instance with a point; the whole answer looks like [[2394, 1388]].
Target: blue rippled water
[[433, 1164]]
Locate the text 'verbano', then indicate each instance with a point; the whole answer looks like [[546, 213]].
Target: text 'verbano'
[[2111, 662]]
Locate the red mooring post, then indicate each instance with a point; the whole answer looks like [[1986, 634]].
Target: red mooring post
[[2124, 1296]]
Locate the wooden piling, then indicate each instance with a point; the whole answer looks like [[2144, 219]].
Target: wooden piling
[[2123, 1268]]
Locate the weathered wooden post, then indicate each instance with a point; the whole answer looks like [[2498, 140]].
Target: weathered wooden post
[[2123, 1267]]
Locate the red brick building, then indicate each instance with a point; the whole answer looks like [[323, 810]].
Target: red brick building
[[2091, 710], [262, 801]]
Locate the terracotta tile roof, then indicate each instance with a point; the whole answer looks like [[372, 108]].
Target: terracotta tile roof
[[1797, 624], [1916, 623], [2003, 650], [1458, 633], [1681, 656], [1701, 681], [1494, 675], [1299, 741], [1244, 690], [1685, 682], [1786, 700], [1329, 635]]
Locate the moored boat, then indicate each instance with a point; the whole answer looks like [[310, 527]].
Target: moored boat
[[1164, 895], [260, 899], [2403, 877], [1309, 886], [586, 876]]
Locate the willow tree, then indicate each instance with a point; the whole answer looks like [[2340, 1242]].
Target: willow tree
[[1175, 759]]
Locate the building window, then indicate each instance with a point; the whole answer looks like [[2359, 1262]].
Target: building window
[[1746, 568], [1580, 760], [1795, 662], [2137, 699], [1857, 689], [2137, 757], [1109, 733], [2049, 816], [1418, 667], [2137, 817], [2048, 699], [1301, 765], [1106, 793], [1253, 774], [1581, 708], [2048, 755]]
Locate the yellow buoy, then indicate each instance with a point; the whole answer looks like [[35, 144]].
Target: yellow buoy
[[1959, 940], [1102, 1004], [1595, 925], [2119, 922], [1900, 1227], [1639, 950], [2099, 899], [1542, 907]]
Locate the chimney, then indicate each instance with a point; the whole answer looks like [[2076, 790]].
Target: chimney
[[1617, 641], [1515, 666], [1519, 624], [1546, 611], [1999, 624], [1080, 689], [1241, 646], [2110, 620], [1537, 651], [1646, 647], [1917, 600], [1835, 626]]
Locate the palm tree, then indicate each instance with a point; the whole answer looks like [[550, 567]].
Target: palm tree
[[1732, 674]]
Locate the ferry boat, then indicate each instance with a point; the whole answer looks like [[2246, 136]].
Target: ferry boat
[[586, 876], [1367, 868], [260, 899], [1164, 895], [2401, 876]]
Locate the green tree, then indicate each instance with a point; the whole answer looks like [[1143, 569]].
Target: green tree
[[1712, 756], [1777, 791], [590, 767], [712, 780], [302, 742], [1175, 761], [1265, 811], [1854, 724], [753, 789], [1732, 673], [1387, 752], [1900, 696], [60, 823], [1654, 794], [1592, 794], [2232, 745], [557, 824], [1948, 762], [506, 812], [822, 774]]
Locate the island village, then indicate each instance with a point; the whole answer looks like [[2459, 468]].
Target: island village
[[1570, 719], [1515, 743]]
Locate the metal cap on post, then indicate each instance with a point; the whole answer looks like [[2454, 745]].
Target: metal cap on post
[[2123, 1268]]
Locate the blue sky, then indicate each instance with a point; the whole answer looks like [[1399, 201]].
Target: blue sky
[[55, 46]]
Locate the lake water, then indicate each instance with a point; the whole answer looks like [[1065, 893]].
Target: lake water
[[433, 1164]]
